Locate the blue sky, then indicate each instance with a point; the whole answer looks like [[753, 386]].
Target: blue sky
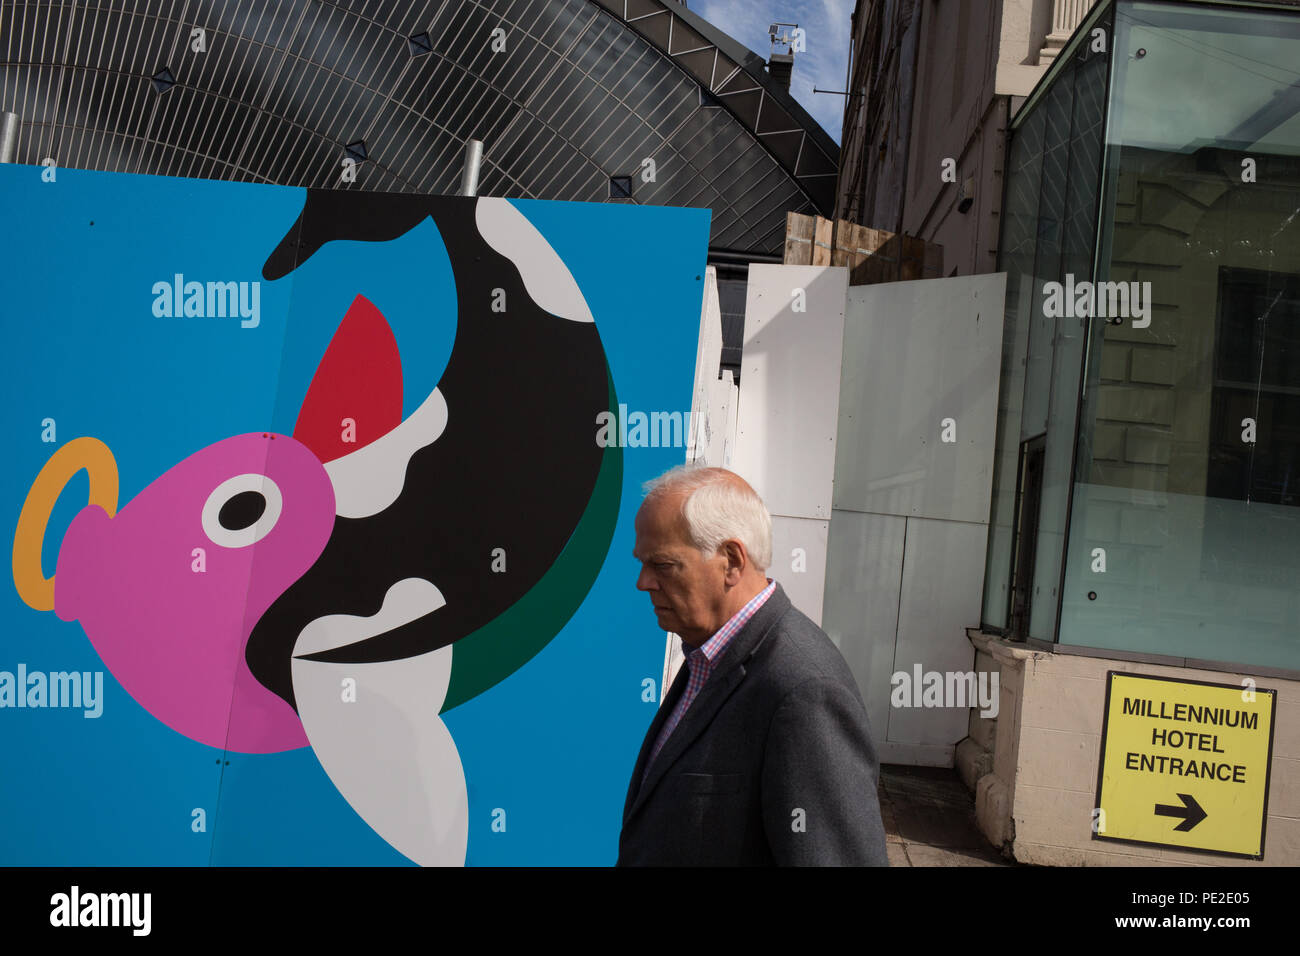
[[826, 27]]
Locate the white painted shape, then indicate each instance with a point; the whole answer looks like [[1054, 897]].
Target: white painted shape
[[707, 417], [225, 537], [406, 601], [804, 588], [790, 387], [914, 354], [388, 752], [369, 479], [728, 399], [545, 276], [705, 411], [673, 658], [864, 569]]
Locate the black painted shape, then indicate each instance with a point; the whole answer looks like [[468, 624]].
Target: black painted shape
[[242, 511], [514, 468], [372, 217]]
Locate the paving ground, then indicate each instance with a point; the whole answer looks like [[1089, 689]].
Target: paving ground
[[929, 818]]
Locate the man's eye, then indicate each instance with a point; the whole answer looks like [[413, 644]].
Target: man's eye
[[663, 567]]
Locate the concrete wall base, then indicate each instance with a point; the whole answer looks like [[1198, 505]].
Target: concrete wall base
[[1037, 799]]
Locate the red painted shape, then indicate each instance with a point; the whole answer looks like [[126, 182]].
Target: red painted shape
[[359, 381]]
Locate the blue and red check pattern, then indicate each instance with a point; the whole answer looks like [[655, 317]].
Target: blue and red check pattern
[[700, 662]]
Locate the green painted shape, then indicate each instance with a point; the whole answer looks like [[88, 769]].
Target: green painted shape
[[499, 648]]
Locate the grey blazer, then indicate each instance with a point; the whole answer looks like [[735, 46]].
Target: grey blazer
[[772, 764]]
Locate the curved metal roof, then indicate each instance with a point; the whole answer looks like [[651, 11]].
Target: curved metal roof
[[565, 94]]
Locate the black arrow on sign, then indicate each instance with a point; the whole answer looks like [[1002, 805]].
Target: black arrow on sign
[[1190, 811]]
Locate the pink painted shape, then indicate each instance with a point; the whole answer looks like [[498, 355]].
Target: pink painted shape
[[175, 638]]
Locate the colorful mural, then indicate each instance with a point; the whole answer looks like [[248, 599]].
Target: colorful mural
[[319, 479]]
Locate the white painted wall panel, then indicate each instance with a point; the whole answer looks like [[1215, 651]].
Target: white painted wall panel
[[790, 386], [943, 579], [713, 404], [804, 587], [915, 354], [707, 411], [864, 568], [725, 397]]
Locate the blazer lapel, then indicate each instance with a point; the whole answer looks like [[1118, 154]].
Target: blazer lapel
[[665, 709], [720, 685]]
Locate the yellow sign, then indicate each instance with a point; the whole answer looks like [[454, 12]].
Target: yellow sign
[[1185, 764]]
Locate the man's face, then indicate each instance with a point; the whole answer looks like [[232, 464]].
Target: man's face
[[686, 588]]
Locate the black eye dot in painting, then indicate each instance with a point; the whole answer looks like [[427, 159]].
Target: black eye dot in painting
[[242, 511]]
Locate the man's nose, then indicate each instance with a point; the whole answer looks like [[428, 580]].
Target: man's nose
[[645, 581]]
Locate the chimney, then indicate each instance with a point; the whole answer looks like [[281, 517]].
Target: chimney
[[780, 65]]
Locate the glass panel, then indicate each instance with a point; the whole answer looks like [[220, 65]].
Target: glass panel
[[1048, 232], [1016, 259], [1047, 264], [1073, 262], [1185, 534]]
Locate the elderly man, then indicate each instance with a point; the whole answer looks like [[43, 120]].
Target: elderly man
[[760, 752]]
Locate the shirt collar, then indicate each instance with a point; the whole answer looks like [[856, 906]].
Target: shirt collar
[[713, 648]]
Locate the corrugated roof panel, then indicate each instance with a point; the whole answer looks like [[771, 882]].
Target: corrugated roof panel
[[576, 94]]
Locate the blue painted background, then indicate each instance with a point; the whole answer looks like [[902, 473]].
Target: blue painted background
[[554, 743]]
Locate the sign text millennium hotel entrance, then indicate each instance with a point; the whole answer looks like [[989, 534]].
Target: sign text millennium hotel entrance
[[1185, 764]]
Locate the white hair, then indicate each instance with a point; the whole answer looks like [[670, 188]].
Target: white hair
[[717, 509]]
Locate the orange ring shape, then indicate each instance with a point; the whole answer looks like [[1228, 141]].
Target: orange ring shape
[[36, 590]]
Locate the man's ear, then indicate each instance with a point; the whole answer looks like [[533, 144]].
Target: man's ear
[[737, 561]]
